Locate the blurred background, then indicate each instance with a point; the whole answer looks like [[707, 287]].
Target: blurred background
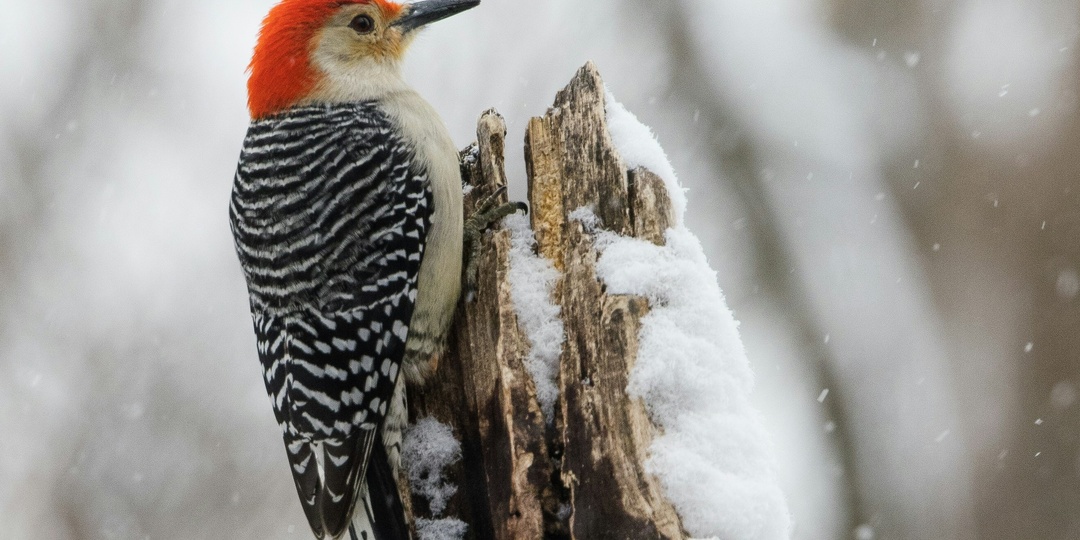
[[888, 190]]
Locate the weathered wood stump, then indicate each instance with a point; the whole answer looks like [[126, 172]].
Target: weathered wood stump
[[580, 474]]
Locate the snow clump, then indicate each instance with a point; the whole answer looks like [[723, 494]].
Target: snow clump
[[440, 529], [714, 458], [429, 447], [638, 147]]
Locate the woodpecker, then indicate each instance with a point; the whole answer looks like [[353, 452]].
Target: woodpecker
[[346, 212]]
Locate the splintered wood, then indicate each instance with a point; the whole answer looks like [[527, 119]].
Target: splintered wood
[[581, 474]]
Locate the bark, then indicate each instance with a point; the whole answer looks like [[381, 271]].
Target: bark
[[580, 475]]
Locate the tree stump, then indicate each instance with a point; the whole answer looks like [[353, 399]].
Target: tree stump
[[579, 475]]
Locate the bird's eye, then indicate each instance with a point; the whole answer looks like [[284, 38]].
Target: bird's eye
[[362, 24]]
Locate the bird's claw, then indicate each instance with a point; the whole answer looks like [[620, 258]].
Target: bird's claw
[[488, 211]]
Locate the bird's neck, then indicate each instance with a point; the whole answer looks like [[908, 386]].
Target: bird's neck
[[371, 80]]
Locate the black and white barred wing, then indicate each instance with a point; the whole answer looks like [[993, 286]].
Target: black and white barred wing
[[329, 217]]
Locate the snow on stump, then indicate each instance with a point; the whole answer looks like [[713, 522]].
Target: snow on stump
[[578, 417]]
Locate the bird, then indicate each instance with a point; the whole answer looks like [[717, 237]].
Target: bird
[[346, 212]]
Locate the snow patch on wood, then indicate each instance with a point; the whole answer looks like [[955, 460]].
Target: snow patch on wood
[[428, 448], [532, 280]]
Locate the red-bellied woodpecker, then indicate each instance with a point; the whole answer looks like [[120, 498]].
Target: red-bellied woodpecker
[[346, 211]]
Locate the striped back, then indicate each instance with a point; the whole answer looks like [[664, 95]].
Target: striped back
[[330, 213]]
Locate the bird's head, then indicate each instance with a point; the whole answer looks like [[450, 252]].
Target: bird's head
[[335, 50]]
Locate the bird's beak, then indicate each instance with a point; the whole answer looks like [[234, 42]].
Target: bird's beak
[[421, 14]]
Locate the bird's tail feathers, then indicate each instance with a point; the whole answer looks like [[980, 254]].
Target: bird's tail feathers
[[379, 513], [363, 523]]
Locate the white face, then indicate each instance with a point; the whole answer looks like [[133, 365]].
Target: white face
[[360, 32]]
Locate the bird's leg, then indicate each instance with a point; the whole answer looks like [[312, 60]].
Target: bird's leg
[[488, 211]]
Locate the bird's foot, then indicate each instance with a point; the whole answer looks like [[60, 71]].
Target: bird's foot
[[488, 211]]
